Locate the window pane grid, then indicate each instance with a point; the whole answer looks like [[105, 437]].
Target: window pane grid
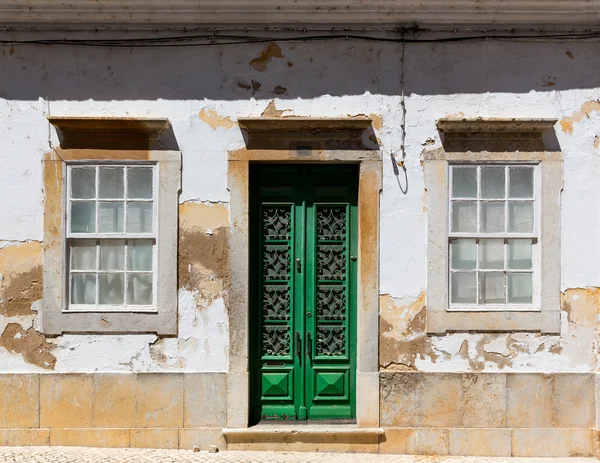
[[112, 210], [492, 237], [129, 212], [95, 275]]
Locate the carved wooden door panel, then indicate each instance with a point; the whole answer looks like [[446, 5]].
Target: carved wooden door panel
[[303, 292]]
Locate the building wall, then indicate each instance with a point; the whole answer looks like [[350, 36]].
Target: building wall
[[202, 91]]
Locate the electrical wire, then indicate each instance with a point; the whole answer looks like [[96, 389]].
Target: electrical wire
[[222, 40]]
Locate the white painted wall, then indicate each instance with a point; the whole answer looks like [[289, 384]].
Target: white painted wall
[[493, 79]]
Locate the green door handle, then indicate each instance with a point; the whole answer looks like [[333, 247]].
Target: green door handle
[[308, 346], [298, 345]]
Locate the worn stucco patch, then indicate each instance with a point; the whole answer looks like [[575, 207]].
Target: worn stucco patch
[[266, 55], [31, 344], [215, 120], [586, 109], [20, 278], [203, 250], [402, 336]]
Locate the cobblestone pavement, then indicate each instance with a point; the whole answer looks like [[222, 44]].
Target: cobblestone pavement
[[93, 455]]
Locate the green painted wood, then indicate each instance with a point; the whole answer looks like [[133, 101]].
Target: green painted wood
[[303, 252]]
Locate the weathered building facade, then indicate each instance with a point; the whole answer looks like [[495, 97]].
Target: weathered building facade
[[382, 218]]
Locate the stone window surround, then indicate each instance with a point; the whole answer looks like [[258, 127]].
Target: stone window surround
[[55, 319], [370, 184], [436, 164]]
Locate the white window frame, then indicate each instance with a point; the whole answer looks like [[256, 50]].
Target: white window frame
[[533, 235], [57, 318], [124, 236], [542, 317]]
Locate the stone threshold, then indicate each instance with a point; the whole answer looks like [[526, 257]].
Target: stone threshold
[[304, 429]]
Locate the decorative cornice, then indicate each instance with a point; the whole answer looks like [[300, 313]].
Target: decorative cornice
[[304, 124], [497, 125], [429, 14]]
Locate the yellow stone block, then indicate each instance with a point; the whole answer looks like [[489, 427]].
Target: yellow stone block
[[90, 437], [154, 438], [159, 400], [394, 440], [201, 437], [556, 442], [114, 401], [24, 437], [574, 400], [529, 400], [441, 400], [428, 442], [480, 442], [66, 401], [205, 399], [19, 401], [484, 400]]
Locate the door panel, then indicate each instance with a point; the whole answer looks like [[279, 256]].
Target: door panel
[[303, 295]]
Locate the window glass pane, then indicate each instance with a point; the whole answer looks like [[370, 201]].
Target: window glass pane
[[112, 255], [110, 289], [464, 254], [139, 182], [492, 182], [139, 288], [491, 254], [139, 255], [492, 288], [110, 217], [464, 290], [83, 217], [83, 255], [83, 182], [464, 182], [111, 182], [520, 217], [520, 288], [520, 254], [139, 217], [520, 182], [464, 216], [83, 288], [492, 217]]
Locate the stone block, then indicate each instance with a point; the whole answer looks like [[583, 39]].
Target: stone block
[[66, 401], [484, 400], [556, 442], [399, 399], [159, 400], [202, 438], [237, 398], [204, 399], [574, 400], [480, 442], [441, 401], [24, 437], [115, 438], [154, 438], [367, 399], [19, 401], [114, 401], [428, 442], [529, 400], [395, 440]]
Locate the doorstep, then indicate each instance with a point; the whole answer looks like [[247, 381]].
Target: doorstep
[[304, 438]]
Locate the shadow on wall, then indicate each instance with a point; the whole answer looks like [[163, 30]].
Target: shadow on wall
[[294, 70]]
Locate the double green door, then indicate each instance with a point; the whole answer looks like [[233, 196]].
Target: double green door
[[303, 292]]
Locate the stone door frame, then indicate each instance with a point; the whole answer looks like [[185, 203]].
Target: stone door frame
[[369, 188]]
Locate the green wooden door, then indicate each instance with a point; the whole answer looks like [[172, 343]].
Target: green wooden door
[[303, 292]]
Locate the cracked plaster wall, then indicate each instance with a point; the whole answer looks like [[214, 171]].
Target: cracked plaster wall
[[204, 90]]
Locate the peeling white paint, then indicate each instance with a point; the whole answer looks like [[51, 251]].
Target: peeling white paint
[[493, 79]]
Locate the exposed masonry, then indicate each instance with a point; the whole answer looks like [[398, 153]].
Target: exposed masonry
[[204, 91]]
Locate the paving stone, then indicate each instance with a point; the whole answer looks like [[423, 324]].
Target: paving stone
[[97, 455]]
